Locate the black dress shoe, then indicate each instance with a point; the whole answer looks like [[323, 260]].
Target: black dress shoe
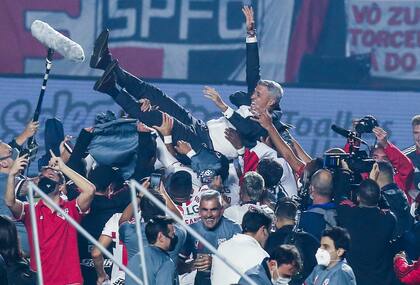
[[106, 84], [101, 57]]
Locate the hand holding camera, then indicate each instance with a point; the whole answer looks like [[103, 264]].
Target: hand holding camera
[[19, 165], [381, 136]]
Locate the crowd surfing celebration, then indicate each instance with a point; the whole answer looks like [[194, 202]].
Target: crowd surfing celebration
[[234, 200]]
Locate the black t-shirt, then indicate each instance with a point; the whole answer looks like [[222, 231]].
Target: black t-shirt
[[101, 210], [370, 255], [305, 243], [415, 159]]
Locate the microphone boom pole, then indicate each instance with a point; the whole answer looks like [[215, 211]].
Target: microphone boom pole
[[32, 144]]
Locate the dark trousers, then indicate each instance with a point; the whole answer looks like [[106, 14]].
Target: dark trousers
[[186, 127]]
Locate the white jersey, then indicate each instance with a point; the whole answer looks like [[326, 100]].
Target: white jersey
[[189, 210], [218, 126], [119, 251], [237, 212]]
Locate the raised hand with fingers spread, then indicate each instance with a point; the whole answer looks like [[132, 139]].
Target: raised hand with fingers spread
[[213, 95], [167, 124], [249, 18], [265, 120]]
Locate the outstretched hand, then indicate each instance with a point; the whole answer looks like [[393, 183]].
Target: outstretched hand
[[143, 128], [31, 128], [145, 105], [381, 136], [167, 124], [249, 18], [264, 119], [233, 137], [213, 95], [182, 147]]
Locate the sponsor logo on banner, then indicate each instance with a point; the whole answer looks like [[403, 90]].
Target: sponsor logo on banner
[[389, 30]]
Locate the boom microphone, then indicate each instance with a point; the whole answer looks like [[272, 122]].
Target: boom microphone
[[342, 132], [56, 41]]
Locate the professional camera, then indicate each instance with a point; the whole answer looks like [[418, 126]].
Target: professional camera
[[358, 162], [366, 124]]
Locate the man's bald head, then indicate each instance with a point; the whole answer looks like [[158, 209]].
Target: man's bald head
[[322, 182]]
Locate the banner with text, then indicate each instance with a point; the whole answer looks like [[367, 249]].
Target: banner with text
[[390, 31], [195, 40]]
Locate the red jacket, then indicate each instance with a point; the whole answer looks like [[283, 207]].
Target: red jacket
[[407, 274], [404, 168]]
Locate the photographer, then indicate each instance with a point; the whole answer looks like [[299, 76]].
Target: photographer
[[322, 213], [384, 150]]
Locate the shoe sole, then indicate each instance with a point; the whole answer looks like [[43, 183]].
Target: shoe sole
[[105, 76], [100, 44]]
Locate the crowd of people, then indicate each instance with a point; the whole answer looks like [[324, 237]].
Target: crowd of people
[[241, 181]]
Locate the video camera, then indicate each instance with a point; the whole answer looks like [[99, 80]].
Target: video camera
[[358, 162]]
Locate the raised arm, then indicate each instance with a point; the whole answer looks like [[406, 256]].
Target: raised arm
[[29, 131], [166, 131], [401, 163], [252, 54], [14, 204], [282, 147], [302, 154], [87, 189], [76, 158], [128, 212], [247, 128], [168, 201]]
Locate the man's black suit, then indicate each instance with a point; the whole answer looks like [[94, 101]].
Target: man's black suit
[[186, 127]]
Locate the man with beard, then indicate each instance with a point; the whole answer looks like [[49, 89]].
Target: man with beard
[[214, 228], [161, 269]]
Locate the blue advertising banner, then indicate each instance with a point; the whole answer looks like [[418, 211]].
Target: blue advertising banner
[[311, 111]]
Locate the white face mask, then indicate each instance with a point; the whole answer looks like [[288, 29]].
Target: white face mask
[[281, 281], [322, 257]]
